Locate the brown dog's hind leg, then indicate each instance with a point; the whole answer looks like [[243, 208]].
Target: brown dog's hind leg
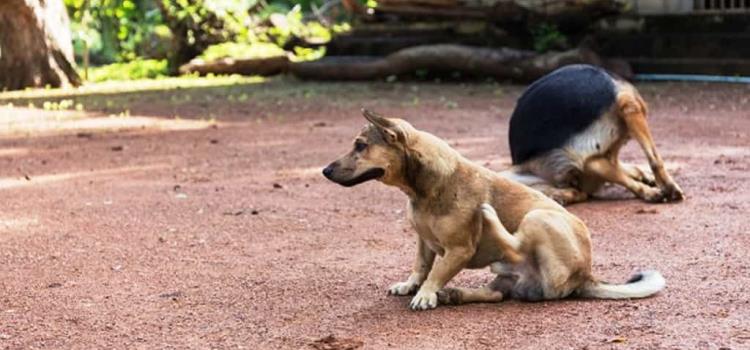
[[508, 245], [632, 109], [457, 295]]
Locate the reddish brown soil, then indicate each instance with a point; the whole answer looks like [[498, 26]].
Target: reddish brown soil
[[230, 238]]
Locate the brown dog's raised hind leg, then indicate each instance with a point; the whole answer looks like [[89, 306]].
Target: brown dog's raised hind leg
[[632, 110], [507, 244]]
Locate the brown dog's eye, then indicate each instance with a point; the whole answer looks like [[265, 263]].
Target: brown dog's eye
[[360, 146]]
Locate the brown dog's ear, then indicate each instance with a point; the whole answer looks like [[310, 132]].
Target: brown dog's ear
[[376, 119], [390, 130]]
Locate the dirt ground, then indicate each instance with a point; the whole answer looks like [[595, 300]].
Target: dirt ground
[[197, 218]]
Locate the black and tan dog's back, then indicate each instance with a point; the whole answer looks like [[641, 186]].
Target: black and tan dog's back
[[567, 130]]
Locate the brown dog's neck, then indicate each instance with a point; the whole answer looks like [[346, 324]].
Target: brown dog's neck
[[427, 172]]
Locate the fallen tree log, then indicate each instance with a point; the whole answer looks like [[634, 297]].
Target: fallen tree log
[[253, 66], [501, 64]]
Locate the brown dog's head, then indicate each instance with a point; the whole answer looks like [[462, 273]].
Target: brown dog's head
[[377, 153]]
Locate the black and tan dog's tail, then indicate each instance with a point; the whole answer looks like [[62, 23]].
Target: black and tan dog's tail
[[641, 285]]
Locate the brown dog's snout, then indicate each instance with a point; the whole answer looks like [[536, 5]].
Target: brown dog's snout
[[328, 171]]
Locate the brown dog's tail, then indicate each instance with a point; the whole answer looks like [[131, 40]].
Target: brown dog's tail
[[641, 285]]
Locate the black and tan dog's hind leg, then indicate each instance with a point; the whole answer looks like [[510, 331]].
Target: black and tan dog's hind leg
[[563, 195], [613, 172], [638, 174], [633, 111]]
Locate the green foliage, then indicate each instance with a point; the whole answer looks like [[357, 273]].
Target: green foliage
[[283, 6], [266, 41], [290, 24], [114, 30], [547, 37], [135, 69], [217, 19], [308, 54], [138, 30]]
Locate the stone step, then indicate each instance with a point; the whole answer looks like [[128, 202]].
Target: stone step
[[711, 66], [686, 44]]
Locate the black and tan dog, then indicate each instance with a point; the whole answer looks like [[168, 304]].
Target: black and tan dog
[[566, 133], [452, 206]]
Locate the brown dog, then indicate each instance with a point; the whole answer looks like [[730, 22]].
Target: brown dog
[[566, 133], [452, 204]]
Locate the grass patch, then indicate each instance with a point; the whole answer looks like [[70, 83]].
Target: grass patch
[[177, 84], [133, 70], [241, 51]]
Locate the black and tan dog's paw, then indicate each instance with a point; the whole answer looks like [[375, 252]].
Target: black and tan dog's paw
[[671, 192], [664, 194], [652, 195], [647, 178]]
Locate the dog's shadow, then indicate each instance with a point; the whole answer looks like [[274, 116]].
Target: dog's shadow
[[390, 310]]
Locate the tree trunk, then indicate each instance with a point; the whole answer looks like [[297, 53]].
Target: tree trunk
[[35, 45], [190, 38]]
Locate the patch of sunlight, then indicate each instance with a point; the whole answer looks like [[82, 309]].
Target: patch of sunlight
[[16, 224], [302, 172], [24, 122], [117, 87], [271, 143], [37, 180], [7, 152]]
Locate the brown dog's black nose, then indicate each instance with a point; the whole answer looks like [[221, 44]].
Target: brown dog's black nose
[[328, 171]]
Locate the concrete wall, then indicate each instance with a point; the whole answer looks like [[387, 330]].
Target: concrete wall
[[662, 7]]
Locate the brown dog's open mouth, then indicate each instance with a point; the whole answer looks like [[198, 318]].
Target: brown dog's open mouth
[[366, 176]]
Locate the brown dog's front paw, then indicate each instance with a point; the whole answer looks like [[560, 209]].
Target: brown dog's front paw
[[403, 288], [424, 300], [449, 296]]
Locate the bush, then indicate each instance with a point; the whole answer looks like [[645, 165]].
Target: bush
[[136, 69], [114, 30], [240, 51], [547, 37]]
